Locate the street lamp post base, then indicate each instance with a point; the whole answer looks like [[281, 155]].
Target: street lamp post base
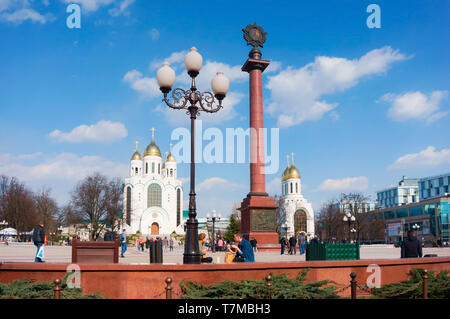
[[192, 259]]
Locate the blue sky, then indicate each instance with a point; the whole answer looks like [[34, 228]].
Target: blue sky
[[359, 107]]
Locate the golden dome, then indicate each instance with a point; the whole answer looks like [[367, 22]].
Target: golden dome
[[293, 172], [170, 158], [290, 172], [285, 173], [152, 150], [136, 156]]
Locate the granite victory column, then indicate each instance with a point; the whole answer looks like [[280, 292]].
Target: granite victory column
[[258, 218]]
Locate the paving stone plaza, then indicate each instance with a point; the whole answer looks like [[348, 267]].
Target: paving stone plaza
[[62, 254]]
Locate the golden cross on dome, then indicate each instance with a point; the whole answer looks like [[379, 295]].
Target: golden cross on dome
[[153, 133], [170, 147], [137, 145], [292, 154], [287, 159]]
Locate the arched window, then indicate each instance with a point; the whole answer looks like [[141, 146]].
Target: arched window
[[146, 168], [171, 172], [159, 168], [300, 221], [291, 188], [153, 168], [128, 212], [154, 195], [296, 188], [137, 170], [178, 206]]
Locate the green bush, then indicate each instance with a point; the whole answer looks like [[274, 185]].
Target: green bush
[[29, 289], [283, 287], [438, 286]]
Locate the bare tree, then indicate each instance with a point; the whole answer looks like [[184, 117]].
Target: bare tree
[[94, 200], [47, 210], [114, 203], [17, 205], [329, 222]]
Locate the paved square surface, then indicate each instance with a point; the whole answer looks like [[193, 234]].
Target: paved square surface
[[19, 252]]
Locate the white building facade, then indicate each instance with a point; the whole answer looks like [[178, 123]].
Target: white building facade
[[295, 210], [153, 195], [406, 192]]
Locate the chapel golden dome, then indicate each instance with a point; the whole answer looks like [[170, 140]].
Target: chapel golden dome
[[136, 156], [170, 158], [152, 150], [290, 171]]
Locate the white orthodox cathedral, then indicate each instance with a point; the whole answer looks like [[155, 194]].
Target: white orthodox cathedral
[[295, 210], [153, 196]]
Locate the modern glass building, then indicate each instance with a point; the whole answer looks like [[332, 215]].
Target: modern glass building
[[429, 218], [434, 186], [406, 192]]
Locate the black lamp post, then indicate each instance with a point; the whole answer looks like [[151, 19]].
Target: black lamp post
[[213, 219], [349, 219], [206, 101]]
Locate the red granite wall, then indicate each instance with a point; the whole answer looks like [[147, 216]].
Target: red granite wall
[[147, 281]]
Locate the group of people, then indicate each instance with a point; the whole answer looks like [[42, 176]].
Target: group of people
[[291, 244], [241, 250]]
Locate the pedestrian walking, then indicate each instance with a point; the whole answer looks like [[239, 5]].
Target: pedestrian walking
[[165, 243], [283, 244], [109, 235], [147, 243], [38, 238], [301, 243], [254, 244], [292, 245], [123, 242], [171, 244], [220, 244], [411, 246]]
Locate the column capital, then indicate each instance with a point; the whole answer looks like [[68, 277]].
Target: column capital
[[252, 64]]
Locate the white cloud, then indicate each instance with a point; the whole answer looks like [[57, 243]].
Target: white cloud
[[18, 11], [147, 87], [273, 187], [102, 132], [415, 106], [217, 183], [90, 5], [60, 172], [176, 59], [209, 70], [296, 94], [344, 184], [428, 157], [121, 9]]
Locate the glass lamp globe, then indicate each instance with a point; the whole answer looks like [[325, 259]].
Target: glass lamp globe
[[345, 219], [220, 216], [353, 218], [193, 62], [165, 77], [220, 85], [207, 215]]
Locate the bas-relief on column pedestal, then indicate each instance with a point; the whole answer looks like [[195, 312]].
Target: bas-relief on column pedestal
[[258, 220]]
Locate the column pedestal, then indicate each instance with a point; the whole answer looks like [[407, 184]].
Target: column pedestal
[[258, 220]]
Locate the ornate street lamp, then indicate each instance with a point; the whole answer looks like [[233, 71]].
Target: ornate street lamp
[[349, 218], [187, 100], [213, 219]]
